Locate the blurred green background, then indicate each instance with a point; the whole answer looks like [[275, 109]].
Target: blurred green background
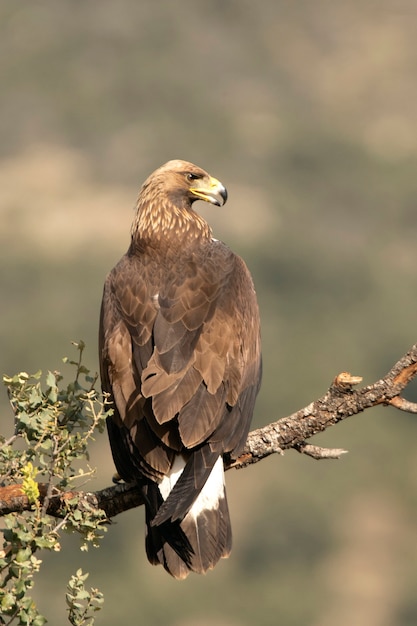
[[307, 112]]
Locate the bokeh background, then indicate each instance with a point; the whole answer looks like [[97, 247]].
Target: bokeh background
[[307, 112]]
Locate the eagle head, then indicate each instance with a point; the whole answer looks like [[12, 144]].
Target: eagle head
[[184, 183], [164, 207]]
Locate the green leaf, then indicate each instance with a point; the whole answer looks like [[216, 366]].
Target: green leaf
[[50, 379], [7, 601]]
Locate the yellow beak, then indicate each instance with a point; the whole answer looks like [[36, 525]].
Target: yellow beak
[[210, 190]]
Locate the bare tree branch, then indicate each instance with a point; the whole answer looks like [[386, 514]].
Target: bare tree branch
[[340, 402]]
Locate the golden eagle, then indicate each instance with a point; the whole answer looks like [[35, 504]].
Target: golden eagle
[[180, 358]]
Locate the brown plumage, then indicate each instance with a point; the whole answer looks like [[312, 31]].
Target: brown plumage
[[180, 358]]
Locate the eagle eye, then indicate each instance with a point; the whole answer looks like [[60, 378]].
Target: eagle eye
[[191, 176]]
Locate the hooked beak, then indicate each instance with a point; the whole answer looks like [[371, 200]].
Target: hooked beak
[[210, 190]]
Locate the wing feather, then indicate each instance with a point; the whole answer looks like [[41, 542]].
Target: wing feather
[[167, 404], [201, 415]]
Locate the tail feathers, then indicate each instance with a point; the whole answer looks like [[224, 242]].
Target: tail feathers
[[196, 544], [192, 478], [169, 546], [209, 535], [200, 538]]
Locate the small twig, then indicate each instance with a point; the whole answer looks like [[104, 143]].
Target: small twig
[[318, 453], [9, 441], [403, 405], [50, 486]]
